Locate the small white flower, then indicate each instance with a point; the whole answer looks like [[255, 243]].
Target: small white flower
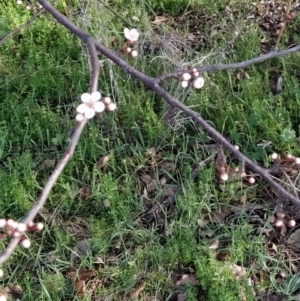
[[131, 35], [90, 106], [19, 2], [198, 83]]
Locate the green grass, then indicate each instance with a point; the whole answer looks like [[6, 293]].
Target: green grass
[[43, 72]]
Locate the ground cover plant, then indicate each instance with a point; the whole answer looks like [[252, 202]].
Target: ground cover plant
[[151, 206]]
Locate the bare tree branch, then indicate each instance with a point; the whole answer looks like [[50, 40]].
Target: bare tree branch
[[240, 65], [152, 83]]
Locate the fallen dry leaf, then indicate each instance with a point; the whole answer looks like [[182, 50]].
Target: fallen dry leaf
[[79, 279], [181, 297], [151, 151], [293, 241], [102, 162], [186, 279], [113, 259], [47, 164], [80, 287], [15, 291], [106, 203], [138, 290], [151, 298], [160, 19], [85, 192], [214, 245], [81, 249], [238, 271], [272, 248], [223, 256], [99, 260], [242, 74]]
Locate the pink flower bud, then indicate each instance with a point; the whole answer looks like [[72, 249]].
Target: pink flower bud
[[39, 226], [279, 223], [196, 74], [134, 53], [106, 100], [184, 84], [251, 180], [291, 223], [12, 224], [25, 243], [111, 107], [2, 223], [17, 234], [224, 177], [186, 76]]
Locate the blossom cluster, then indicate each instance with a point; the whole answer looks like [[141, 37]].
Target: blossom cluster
[[16, 229], [192, 78], [224, 172], [132, 36], [91, 105]]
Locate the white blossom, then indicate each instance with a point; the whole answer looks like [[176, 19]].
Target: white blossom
[[90, 106], [131, 34], [198, 83]]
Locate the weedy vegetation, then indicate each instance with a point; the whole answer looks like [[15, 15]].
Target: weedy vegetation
[[102, 240]]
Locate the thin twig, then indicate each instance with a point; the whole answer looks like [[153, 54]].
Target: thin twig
[[117, 15], [281, 30], [223, 67], [27, 23], [291, 183], [153, 84], [47, 188]]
